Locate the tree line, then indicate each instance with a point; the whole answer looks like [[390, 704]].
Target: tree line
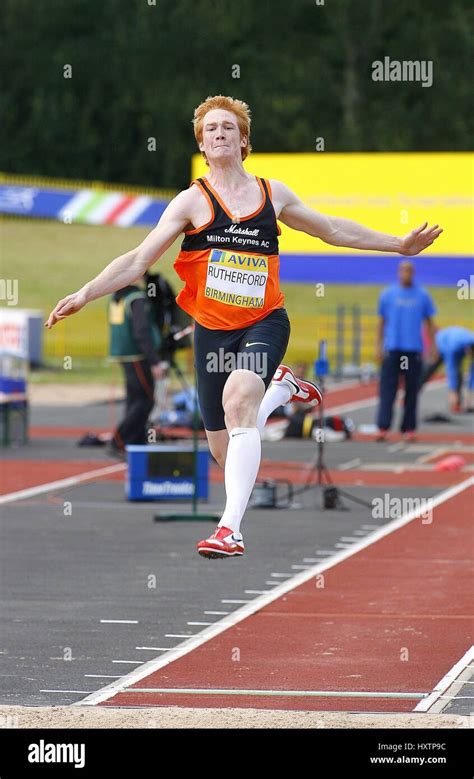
[[106, 90]]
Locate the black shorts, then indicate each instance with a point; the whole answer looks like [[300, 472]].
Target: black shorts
[[259, 348]]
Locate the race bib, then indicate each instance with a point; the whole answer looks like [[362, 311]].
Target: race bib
[[236, 279]]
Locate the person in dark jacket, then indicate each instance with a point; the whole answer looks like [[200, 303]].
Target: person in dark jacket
[[134, 342]]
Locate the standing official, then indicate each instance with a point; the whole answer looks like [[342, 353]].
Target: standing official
[[134, 342], [403, 308]]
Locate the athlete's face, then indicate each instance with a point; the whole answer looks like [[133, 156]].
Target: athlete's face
[[221, 136]]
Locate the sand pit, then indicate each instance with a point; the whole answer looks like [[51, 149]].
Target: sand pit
[[57, 394], [177, 717]]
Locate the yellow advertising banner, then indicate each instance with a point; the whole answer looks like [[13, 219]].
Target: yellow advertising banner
[[391, 192]]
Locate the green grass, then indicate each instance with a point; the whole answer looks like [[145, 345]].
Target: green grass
[[51, 259]]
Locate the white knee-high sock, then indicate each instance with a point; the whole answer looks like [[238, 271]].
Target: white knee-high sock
[[276, 395], [241, 469]]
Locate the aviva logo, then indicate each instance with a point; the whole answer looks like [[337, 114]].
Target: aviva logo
[[236, 260]]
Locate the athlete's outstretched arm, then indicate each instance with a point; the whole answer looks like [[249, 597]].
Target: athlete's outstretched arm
[[128, 267], [338, 231]]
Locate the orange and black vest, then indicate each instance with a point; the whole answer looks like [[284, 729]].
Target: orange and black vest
[[231, 268]]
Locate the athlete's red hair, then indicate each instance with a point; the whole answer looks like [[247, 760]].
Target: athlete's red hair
[[237, 107]]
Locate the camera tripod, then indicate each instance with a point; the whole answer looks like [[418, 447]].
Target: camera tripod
[[331, 495]]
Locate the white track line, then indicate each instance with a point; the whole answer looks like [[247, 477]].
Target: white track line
[[158, 648], [446, 681], [234, 600], [263, 600], [199, 623], [180, 635], [128, 662], [120, 621], [219, 613], [354, 405], [435, 451], [76, 692], [100, 676], [10, 497], [277, 693], [349, 464], [349, 539]]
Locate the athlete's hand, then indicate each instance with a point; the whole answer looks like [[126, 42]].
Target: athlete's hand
[[71, 304], [419, 239]]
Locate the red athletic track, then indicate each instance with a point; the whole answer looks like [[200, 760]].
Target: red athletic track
[[23, 474], [184, 432], [46, 431], [410, 591], [423, 438], [436, 458], [294, 472]]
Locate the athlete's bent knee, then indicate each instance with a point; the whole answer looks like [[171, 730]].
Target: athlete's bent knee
[[242, 396]]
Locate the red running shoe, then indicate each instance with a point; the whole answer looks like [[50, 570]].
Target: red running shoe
[[303, 391], [222, 543]]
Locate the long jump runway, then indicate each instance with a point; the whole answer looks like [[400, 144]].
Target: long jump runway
[[330, 610], [388, 621]]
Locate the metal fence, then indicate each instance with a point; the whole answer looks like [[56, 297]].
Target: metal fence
[[350, 333]]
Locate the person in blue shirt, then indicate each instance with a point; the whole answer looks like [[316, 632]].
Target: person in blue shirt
[[453, 344], [403, 308]]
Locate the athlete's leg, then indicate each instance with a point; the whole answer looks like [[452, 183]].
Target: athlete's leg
[[243, 393], [264, 345], [453, 362], [275, 396], [211, 380], [241, 399], [412, 376], [218, 441]]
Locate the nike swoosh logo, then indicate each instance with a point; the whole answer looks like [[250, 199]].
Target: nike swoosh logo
[[257, 343], [234, 434], [290, 381]]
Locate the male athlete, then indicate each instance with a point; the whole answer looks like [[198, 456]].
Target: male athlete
[[230, 265]]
